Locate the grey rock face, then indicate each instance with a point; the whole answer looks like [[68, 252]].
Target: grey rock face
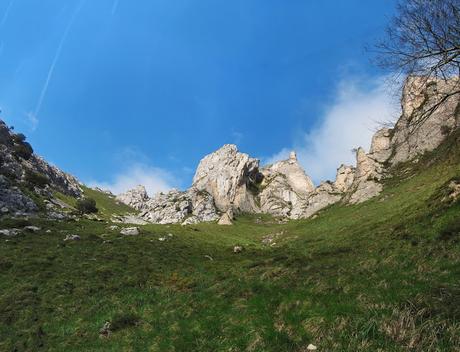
[[324, 195], [226, 175], [177, 206], [368, 175], [135, 198], [345, 177], [284, 188], [12, 200], [414, 135], [14, 169]]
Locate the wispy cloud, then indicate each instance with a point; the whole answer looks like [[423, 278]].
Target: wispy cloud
[[57, 55], [349, 122], [7, 13], [154, 179]]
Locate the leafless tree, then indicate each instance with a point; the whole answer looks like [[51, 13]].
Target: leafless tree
[[423, 39]]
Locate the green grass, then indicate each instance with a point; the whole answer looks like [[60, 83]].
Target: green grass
[[380, 276], [106, 204]]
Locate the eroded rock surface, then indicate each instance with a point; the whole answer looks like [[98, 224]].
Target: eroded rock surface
[[227, 176], [135, 198]]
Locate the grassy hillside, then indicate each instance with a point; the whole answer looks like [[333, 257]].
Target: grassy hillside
[[379, 276], [106, 204]]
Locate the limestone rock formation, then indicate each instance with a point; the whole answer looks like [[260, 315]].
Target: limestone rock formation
[[135, 198], [415, 132], [284, 188], [227, 176], [176, 206], [345, 177], [368, 174], [228, 180]]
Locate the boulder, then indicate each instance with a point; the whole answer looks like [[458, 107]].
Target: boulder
[[130, 231], [226, 218]]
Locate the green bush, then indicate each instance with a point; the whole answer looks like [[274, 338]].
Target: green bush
[[36, 179], [86, 206], [23, 150]]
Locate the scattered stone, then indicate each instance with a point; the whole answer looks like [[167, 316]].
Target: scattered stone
[[48, 231], [105, 330], [130, 231], [5, 210], [32, 228], [10, 232], [113, 228], [237, 249], [72, 238], [208, 257], [311, 347], [162, 239]]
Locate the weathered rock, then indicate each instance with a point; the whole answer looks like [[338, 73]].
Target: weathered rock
[[345, 177], [32, 228], [415, 133], [227, 175], [324, 195], [226, 218], [13, 200], [10, 232], [381, 147], [237, 249], [135, 198], [72, 238], [367, 179], [130, 231], [284, 188], [188, 207]]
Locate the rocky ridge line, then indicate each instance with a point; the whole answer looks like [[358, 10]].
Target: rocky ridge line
[[228, 181]]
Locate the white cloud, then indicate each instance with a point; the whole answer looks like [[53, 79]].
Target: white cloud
[[154, 179], [350, 122]]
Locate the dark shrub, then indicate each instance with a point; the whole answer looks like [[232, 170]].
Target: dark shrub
[[23, 150], [122, 321], [36, 179], [19, 138], [86, 206]]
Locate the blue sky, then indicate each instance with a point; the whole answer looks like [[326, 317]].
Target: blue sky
[[119, 92]]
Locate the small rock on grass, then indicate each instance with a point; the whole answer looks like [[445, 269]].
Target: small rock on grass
[[72, 238], [130, 231], [238, 249], [32, 228], [311, 347]]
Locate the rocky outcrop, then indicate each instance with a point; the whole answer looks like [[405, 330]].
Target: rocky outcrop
[[228, 181], [366, 183], [284, 188], [424, 123], [20, 168], [135, 198], [13, 201], [228, 175], [176, 206]]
